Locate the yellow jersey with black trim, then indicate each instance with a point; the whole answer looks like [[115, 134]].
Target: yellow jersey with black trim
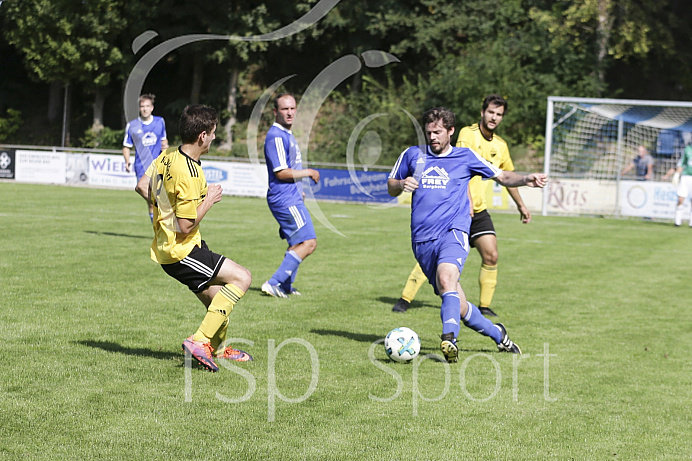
[[495, 151], [178, 187]]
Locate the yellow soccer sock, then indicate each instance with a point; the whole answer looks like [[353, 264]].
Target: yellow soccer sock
[[220, 337], [416, 279], [487, 279], [219, 310]]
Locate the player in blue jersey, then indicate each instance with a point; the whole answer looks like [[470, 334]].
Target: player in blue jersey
[[438, 176], [147, 134], [285, 197]]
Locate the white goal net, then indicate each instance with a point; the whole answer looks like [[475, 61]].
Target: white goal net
[[590, 141]]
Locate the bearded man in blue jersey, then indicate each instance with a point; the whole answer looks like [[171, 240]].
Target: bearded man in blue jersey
[[438, 176], [285, 197]]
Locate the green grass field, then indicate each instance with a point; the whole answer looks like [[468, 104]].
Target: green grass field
[[91, 333]]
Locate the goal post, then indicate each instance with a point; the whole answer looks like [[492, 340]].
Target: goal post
[[588, 143]]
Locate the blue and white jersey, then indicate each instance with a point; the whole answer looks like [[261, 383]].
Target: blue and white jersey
[[441, 201], [281, 151], [146, 138]]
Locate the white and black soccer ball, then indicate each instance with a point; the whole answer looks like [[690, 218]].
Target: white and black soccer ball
[[402, 344]]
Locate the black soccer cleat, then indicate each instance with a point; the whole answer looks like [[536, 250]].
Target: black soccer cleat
[[401, 305], [449, 348], [486, 311], [506, 345]]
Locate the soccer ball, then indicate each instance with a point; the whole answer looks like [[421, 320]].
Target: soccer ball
[[402, 344]]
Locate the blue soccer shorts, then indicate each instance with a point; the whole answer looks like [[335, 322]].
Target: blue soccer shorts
[[295, 224], [452, 247]]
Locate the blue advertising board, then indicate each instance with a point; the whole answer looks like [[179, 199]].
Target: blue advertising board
[[352, 186]]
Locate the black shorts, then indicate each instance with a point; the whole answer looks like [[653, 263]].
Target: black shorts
[[481, 224], [197, 269]]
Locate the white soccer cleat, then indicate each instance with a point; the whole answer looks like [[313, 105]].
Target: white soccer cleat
[[273, 290]]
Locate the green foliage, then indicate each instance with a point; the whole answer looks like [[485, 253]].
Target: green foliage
[[514, 63], [93, 350], [378, 112], [66, 42], [106, 138], [10, 125], [451, 53], [609, 30]]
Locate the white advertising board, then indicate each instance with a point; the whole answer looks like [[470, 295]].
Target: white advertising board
[[241, 179], [40, 166], [649, 199], [109, 170], [581, 196]]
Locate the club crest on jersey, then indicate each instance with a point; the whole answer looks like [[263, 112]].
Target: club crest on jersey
[[149, 139], [434, 178]]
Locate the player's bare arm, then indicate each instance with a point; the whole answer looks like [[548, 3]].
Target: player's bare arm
[[291, 175], [512, 179], [396, 186], [468, 191], [143, 187], [214, 195], [126, 156], [524, 213]]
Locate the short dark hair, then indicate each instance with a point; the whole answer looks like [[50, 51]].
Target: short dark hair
[[148, 96], [194, 120], [443, 114], [495, 99], [282, 95]]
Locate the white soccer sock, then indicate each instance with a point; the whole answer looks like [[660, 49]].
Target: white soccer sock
[[678, 215]]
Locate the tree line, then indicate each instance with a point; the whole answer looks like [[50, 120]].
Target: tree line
[[71, 59]]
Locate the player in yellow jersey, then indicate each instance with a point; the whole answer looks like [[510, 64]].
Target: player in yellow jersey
[[176, 185], [481, 138]]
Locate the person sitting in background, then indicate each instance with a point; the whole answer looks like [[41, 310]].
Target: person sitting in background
[[643, 164]]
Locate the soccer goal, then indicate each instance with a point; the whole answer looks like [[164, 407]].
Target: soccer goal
[[588, 143]]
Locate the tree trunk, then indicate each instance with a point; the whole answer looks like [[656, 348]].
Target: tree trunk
[[99, 101], [197, 77], [66, 114], [232, 109], [605, 23], [54, 102]]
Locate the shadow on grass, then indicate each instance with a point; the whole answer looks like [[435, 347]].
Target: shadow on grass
[[140, 352], [414, 304], [362, 337], [115, 234]]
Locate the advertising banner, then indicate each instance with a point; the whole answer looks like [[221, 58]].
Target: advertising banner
[[352, 186], [40, 166], [581, 196], [240, 179], [109, 170], [649, 199], [7, 163], [77, 169]]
